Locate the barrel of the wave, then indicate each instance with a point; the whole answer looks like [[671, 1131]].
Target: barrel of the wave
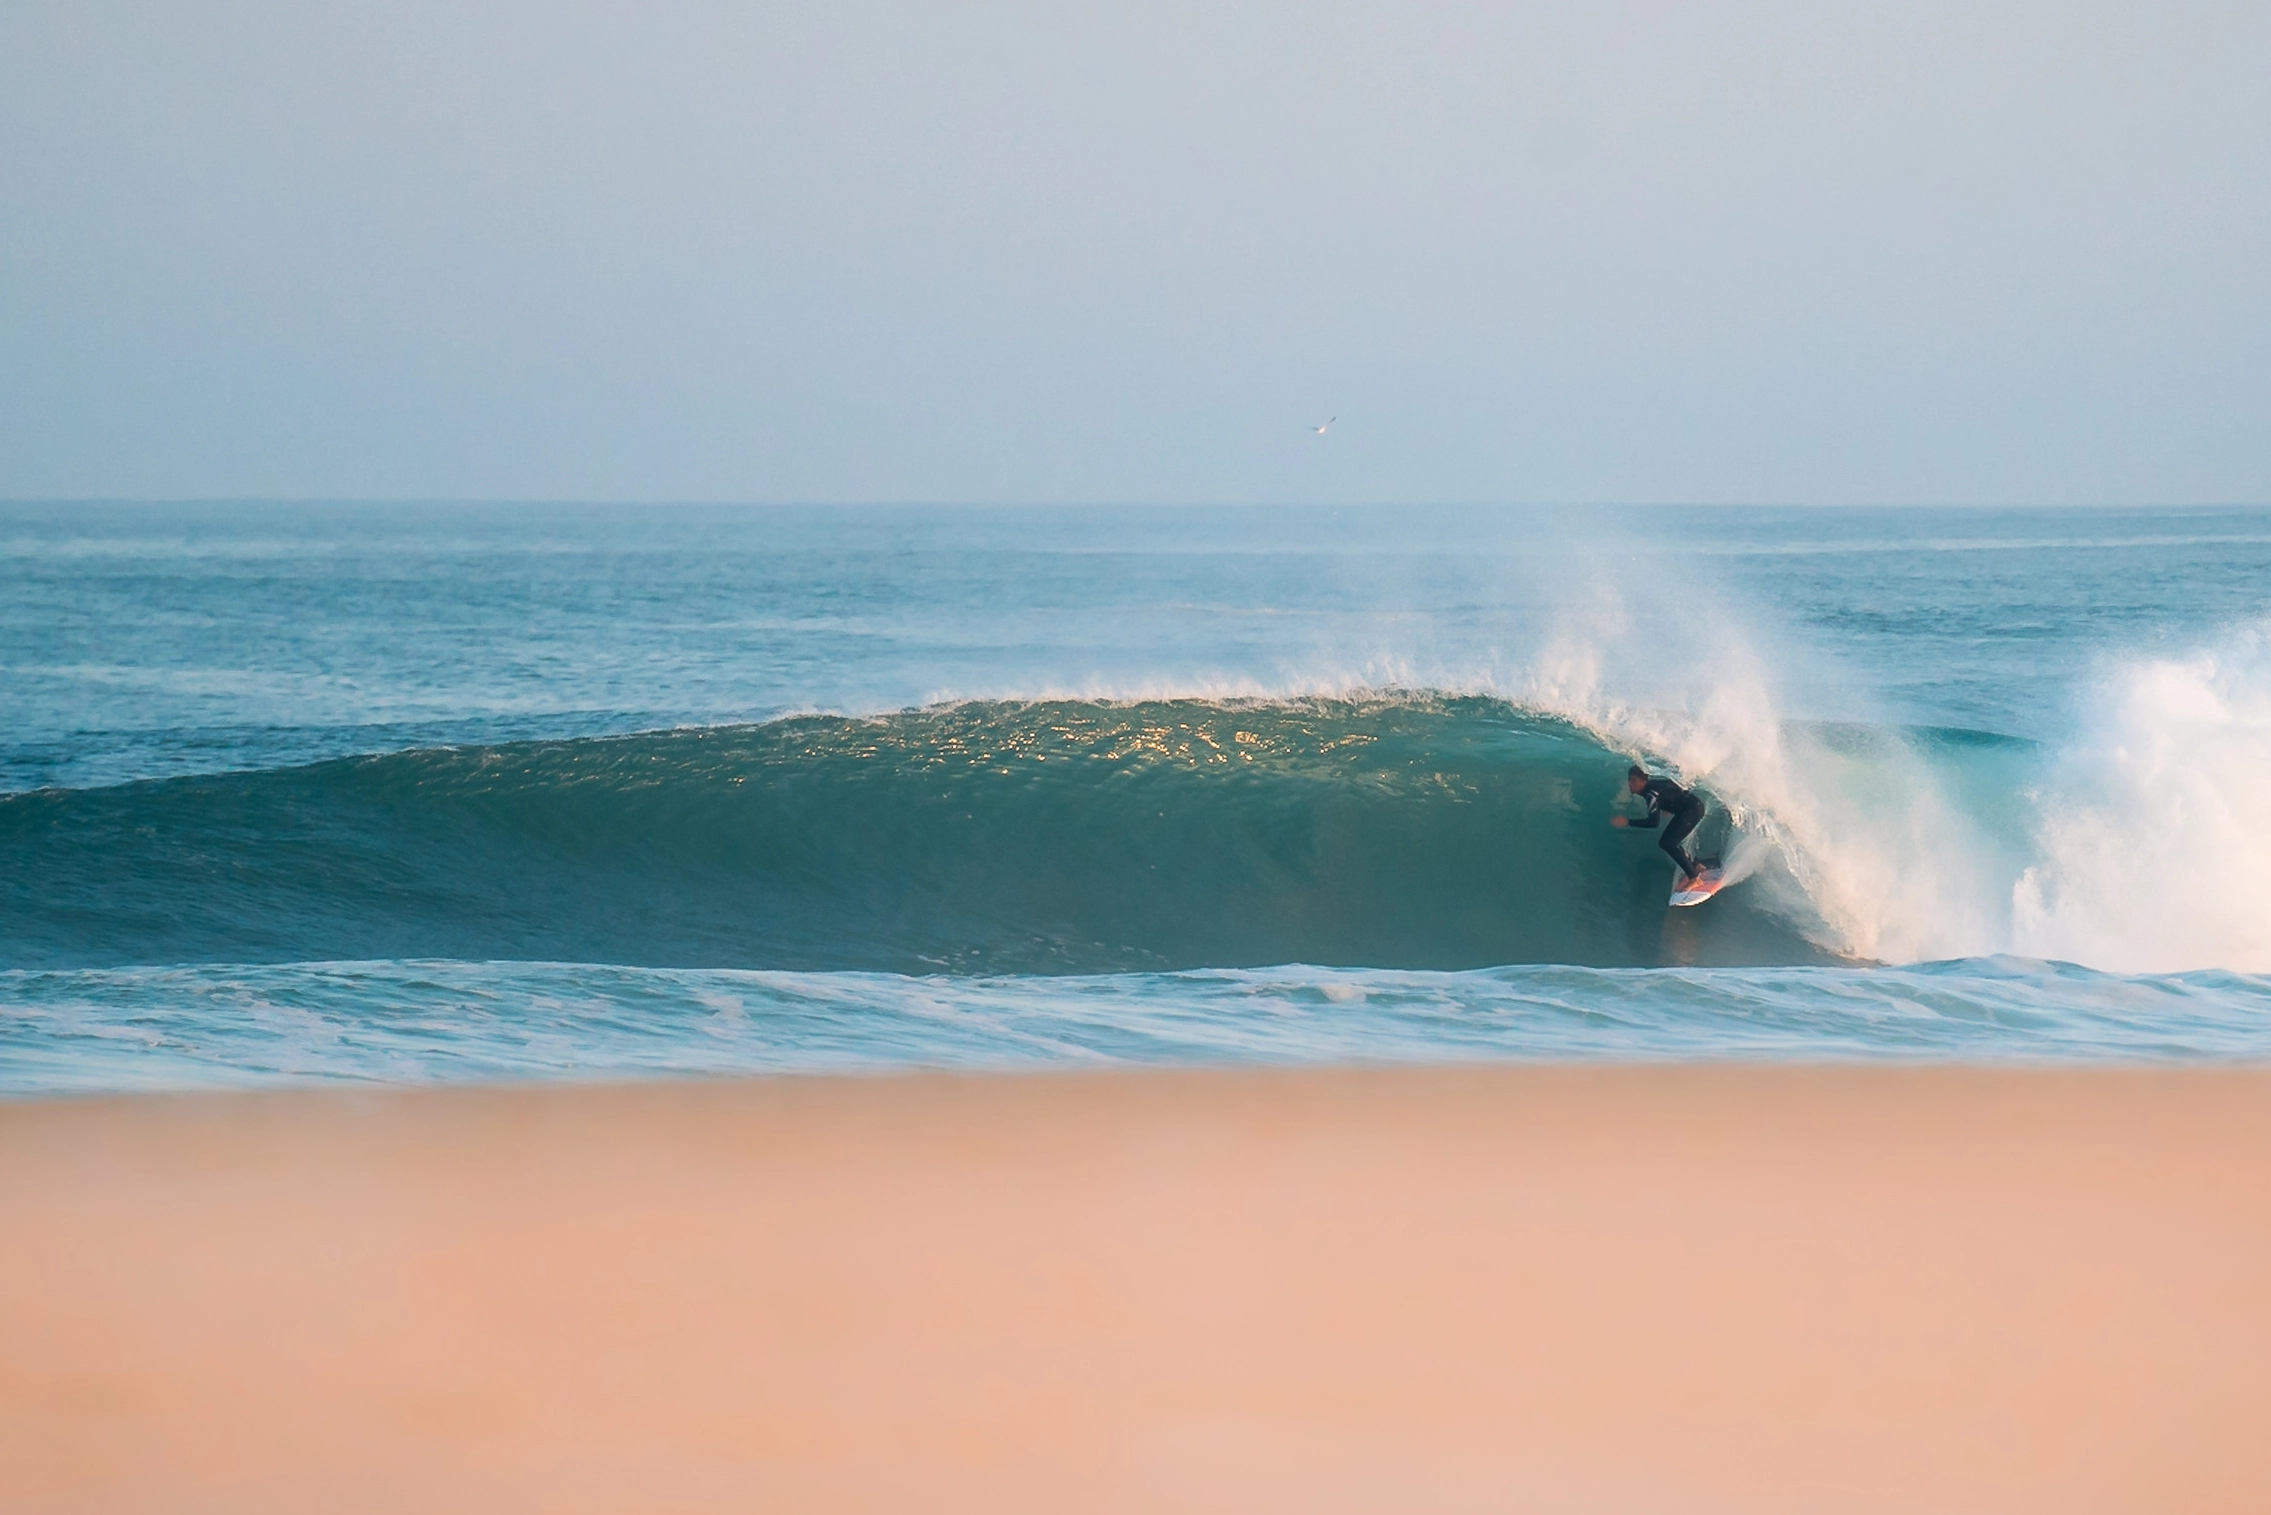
[[1679, 811]]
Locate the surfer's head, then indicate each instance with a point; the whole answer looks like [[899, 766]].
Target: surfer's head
[[1636, 778]]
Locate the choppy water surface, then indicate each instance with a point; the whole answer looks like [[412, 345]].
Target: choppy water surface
[[435, 792]]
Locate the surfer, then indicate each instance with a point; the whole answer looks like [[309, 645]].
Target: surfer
[[1680, 811]]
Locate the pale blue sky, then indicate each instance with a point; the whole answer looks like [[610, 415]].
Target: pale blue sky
[[1111, 252]]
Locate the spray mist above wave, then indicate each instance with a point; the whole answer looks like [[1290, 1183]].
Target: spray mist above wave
[[2129, 846], [1888, 844]]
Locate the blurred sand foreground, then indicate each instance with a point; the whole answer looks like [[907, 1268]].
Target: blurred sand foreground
[[1536, 1289]]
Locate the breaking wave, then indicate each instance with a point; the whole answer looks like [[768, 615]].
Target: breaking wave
[[1397, 831]]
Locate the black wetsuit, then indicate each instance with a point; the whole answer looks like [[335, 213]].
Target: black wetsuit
[[1680, 810]]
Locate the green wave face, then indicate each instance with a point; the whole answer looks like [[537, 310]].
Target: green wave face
[[1051, 837]]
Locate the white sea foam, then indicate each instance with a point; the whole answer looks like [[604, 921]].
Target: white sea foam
[[2150, 852]]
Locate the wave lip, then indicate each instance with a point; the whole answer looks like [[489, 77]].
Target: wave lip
[[1405, 832]]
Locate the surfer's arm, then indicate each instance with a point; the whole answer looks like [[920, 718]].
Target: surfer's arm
[[1643, 823]]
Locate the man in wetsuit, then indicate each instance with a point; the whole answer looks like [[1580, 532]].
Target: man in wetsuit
[[1680, 810]]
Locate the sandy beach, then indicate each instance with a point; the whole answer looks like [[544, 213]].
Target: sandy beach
[[1547, 1289]]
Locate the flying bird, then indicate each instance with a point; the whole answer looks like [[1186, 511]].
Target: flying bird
[[1321, 430]]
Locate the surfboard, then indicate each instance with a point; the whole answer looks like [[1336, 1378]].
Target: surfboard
[[1706, 884]]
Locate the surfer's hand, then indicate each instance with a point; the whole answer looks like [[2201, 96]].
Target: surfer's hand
[[1616, 820]]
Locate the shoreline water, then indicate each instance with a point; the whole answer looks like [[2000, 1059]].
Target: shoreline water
[[222, 1026], [1720, 1287]]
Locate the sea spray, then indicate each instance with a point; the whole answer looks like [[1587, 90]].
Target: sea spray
[[1875, 861], [2152, 832]]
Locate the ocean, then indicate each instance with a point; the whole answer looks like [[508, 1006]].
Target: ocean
[[474, 792]]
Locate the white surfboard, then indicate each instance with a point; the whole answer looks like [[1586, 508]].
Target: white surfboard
[[1701, 888]]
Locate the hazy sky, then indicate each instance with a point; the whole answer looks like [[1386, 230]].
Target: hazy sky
[[1117, 252]]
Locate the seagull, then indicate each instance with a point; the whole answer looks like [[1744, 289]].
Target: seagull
[[1321, 430]]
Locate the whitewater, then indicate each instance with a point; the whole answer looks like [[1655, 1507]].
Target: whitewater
[[412, 793]]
